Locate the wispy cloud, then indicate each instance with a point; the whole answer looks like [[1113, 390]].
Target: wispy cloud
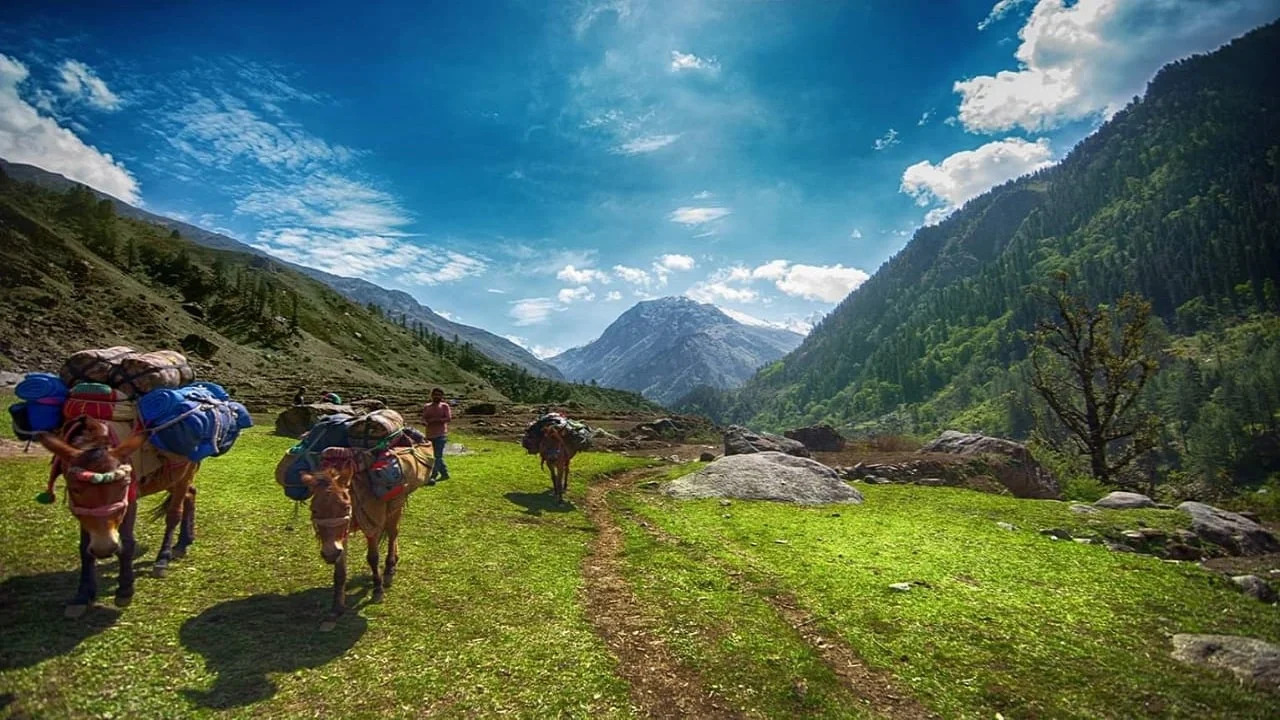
[[888, 140], [532, 311], [456, 266], [821, 283], [646, 144], [999, 10], [27, 136], [219, 131], [583, 276], [78, 82], [568, 296], [697, 215], [681, 62], [676, 262], [856, 234]]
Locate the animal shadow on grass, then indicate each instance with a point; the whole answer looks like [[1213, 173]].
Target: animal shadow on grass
[[242, 641], [32, 626], [539, 503]]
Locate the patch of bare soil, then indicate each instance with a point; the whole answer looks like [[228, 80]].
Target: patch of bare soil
[[660, 685], [17, 448], [1260, 565]]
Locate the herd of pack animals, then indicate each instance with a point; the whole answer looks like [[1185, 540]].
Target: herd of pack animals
[[106, 474]]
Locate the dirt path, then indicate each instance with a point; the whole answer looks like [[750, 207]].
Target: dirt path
[[875, 689], [660, 685]]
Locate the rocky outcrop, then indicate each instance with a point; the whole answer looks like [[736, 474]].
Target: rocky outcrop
[[819, 438], [766, 476], [486, 408], [1252, 661], [1125, 501], [1255, 587], [1234, 532], [739, 440], [1011, 463], [295, 421]]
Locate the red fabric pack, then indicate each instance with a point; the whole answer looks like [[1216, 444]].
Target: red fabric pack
[[99, 402]]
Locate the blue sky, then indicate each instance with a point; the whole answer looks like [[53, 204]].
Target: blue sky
[[534, 168]]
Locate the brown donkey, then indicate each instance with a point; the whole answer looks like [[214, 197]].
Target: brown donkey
[[555, 452], [344, 499], [103, 487]]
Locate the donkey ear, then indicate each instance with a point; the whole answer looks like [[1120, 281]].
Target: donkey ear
[[129, 446], [59, 447]]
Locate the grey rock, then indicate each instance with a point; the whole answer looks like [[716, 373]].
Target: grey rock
[[1084, 509], [1134, 536], [1232, 531], [1083, 541], [1255, 587], [819, 438], [1252, 661], [10, 379], [1180, 551], [1056, 533], [707, 457], [766, 476], [1120, 500], [1016, 469], [1006, 526], [900, 587], [1118, 547], [739, 440]]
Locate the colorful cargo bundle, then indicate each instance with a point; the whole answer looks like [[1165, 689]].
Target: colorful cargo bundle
[[577, 434], [381, 431], [133, 391]]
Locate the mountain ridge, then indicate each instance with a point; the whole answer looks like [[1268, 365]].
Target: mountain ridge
[[396, 302]]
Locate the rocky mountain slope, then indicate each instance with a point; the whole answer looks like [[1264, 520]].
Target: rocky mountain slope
[[395, 302], [663, 348]]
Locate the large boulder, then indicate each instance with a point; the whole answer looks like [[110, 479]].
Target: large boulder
[[766, 475], [1252, 661], [1125, 501], [1011, 463], [819, 438], [1236, 533], [741, 441], [298, 419]]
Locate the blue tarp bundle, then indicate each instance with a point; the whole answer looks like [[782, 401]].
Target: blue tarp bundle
[[43, 395], [193, 421]]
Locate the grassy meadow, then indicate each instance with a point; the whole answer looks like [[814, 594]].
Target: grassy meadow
[[488, 616]]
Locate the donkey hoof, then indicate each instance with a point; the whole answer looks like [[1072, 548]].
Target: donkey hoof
[[377, 596], [159, 571], [74, 612], [179, 553], [124, 601]]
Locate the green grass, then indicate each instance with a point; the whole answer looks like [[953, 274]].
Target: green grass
[[998, 621], [485, 617]]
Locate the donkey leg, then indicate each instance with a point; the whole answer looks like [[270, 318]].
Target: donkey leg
[[128, 545], [372, 556], [187, 530], [339, 593], [87, 591], [173, 516], [393, 550]]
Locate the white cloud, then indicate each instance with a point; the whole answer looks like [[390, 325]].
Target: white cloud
[[688, 61], [495, 291], [676, 262], [632, 275], [828, 283], [1090, 57], [532, 311], [456, 266], [613, 296], [78, 82], [772, 270], [888, 140], [329, 201], [712, 291], [856, 234], [568, 296], [646, 144], [702, 195], [447, 315], [541, 352], [999, 10], [970, 172], [591, 11], [218, 132], [697, 215], [571, 274], [26, 136], [924, 117]]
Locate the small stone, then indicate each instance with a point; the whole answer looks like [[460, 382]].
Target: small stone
[[1006, 526], [726, 516], [900, 587], [780, 542], [1119, 547], [707, 457], [1134, 535], [1154, 534], [1084, 541], [726, 503], [1255, 587], [1056, 533]]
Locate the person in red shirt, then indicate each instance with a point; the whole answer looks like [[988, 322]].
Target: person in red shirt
[[436, 415]]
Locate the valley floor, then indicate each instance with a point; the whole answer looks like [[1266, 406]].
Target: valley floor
[[620, 604]]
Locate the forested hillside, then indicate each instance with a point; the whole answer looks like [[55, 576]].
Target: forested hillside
[[75, 274], [1176, 198]]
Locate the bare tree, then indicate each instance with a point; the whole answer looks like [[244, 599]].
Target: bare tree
[[1090, 364]]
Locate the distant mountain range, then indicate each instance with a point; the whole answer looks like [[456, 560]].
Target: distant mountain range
[[664, 348], [394, 302]]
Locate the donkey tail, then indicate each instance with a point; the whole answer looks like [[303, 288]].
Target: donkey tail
[[162, 508]]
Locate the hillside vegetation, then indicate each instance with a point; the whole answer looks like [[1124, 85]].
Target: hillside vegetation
[[1176, 198], [76, 275]]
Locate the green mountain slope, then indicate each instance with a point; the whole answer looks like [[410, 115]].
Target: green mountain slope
[[1177, 197], [74, 274]]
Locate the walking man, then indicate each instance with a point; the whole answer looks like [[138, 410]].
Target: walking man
[[436, 415]]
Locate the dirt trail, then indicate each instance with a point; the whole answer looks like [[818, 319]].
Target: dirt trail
[[875, 689], [660, 685]]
